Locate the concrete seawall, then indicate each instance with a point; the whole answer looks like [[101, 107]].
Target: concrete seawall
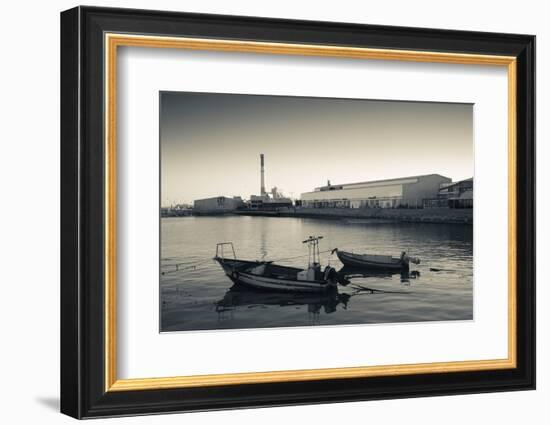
[[423, 215]]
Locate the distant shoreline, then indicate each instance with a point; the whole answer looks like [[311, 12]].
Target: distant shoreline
[[370, 215]]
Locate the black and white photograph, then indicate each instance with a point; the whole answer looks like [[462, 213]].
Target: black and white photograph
[[287, 211]]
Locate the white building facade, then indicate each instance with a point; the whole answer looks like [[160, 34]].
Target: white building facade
[[217, 205], [406, 192]]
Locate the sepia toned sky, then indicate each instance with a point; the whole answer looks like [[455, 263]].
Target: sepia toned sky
[[211, 143]]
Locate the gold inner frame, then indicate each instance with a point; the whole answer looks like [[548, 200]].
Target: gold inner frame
[[113, 41]]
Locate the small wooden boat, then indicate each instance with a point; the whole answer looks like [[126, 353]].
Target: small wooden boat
[[273, 277], [375, 261]]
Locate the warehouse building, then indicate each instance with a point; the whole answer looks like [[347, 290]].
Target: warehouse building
[[459, 194], [217, 205], [406, 192]]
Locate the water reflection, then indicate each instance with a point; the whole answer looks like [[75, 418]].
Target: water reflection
[[241, 296], [347, 274]]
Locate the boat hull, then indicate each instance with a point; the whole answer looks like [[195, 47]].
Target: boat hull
[[283, 285], [239, 272], [229, 266], [371, 261]]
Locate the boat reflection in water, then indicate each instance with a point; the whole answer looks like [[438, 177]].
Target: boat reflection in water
[[347, 274], [242, 296], [328, 302]]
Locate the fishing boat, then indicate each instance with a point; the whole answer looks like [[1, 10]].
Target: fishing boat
[[267, 275], [375, 261]]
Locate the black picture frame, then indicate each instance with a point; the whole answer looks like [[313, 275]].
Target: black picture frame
[[83, 392]]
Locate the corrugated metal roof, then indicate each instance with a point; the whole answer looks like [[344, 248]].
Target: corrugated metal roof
[[389, 181]]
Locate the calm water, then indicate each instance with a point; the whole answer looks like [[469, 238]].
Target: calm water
[[199, 296]]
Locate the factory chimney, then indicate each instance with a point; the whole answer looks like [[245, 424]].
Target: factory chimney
[[262, 187]]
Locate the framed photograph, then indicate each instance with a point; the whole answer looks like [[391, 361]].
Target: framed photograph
[[261, 212]]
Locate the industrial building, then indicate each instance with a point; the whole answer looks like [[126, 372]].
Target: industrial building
[[453, 195], [258, 203], [405, 192], [264, 201], [459, 194], [217, 205]]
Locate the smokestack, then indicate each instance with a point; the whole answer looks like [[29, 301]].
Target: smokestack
[[262, 186]]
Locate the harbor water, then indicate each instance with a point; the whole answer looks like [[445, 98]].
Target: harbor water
[[195, 294]]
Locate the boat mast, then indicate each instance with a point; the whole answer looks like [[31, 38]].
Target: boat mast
[[314, 256]]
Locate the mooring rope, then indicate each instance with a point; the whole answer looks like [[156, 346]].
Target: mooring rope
[[192, 266], [184, 266], [360, 288]]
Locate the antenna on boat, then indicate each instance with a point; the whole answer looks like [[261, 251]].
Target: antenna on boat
[[314, 257]]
